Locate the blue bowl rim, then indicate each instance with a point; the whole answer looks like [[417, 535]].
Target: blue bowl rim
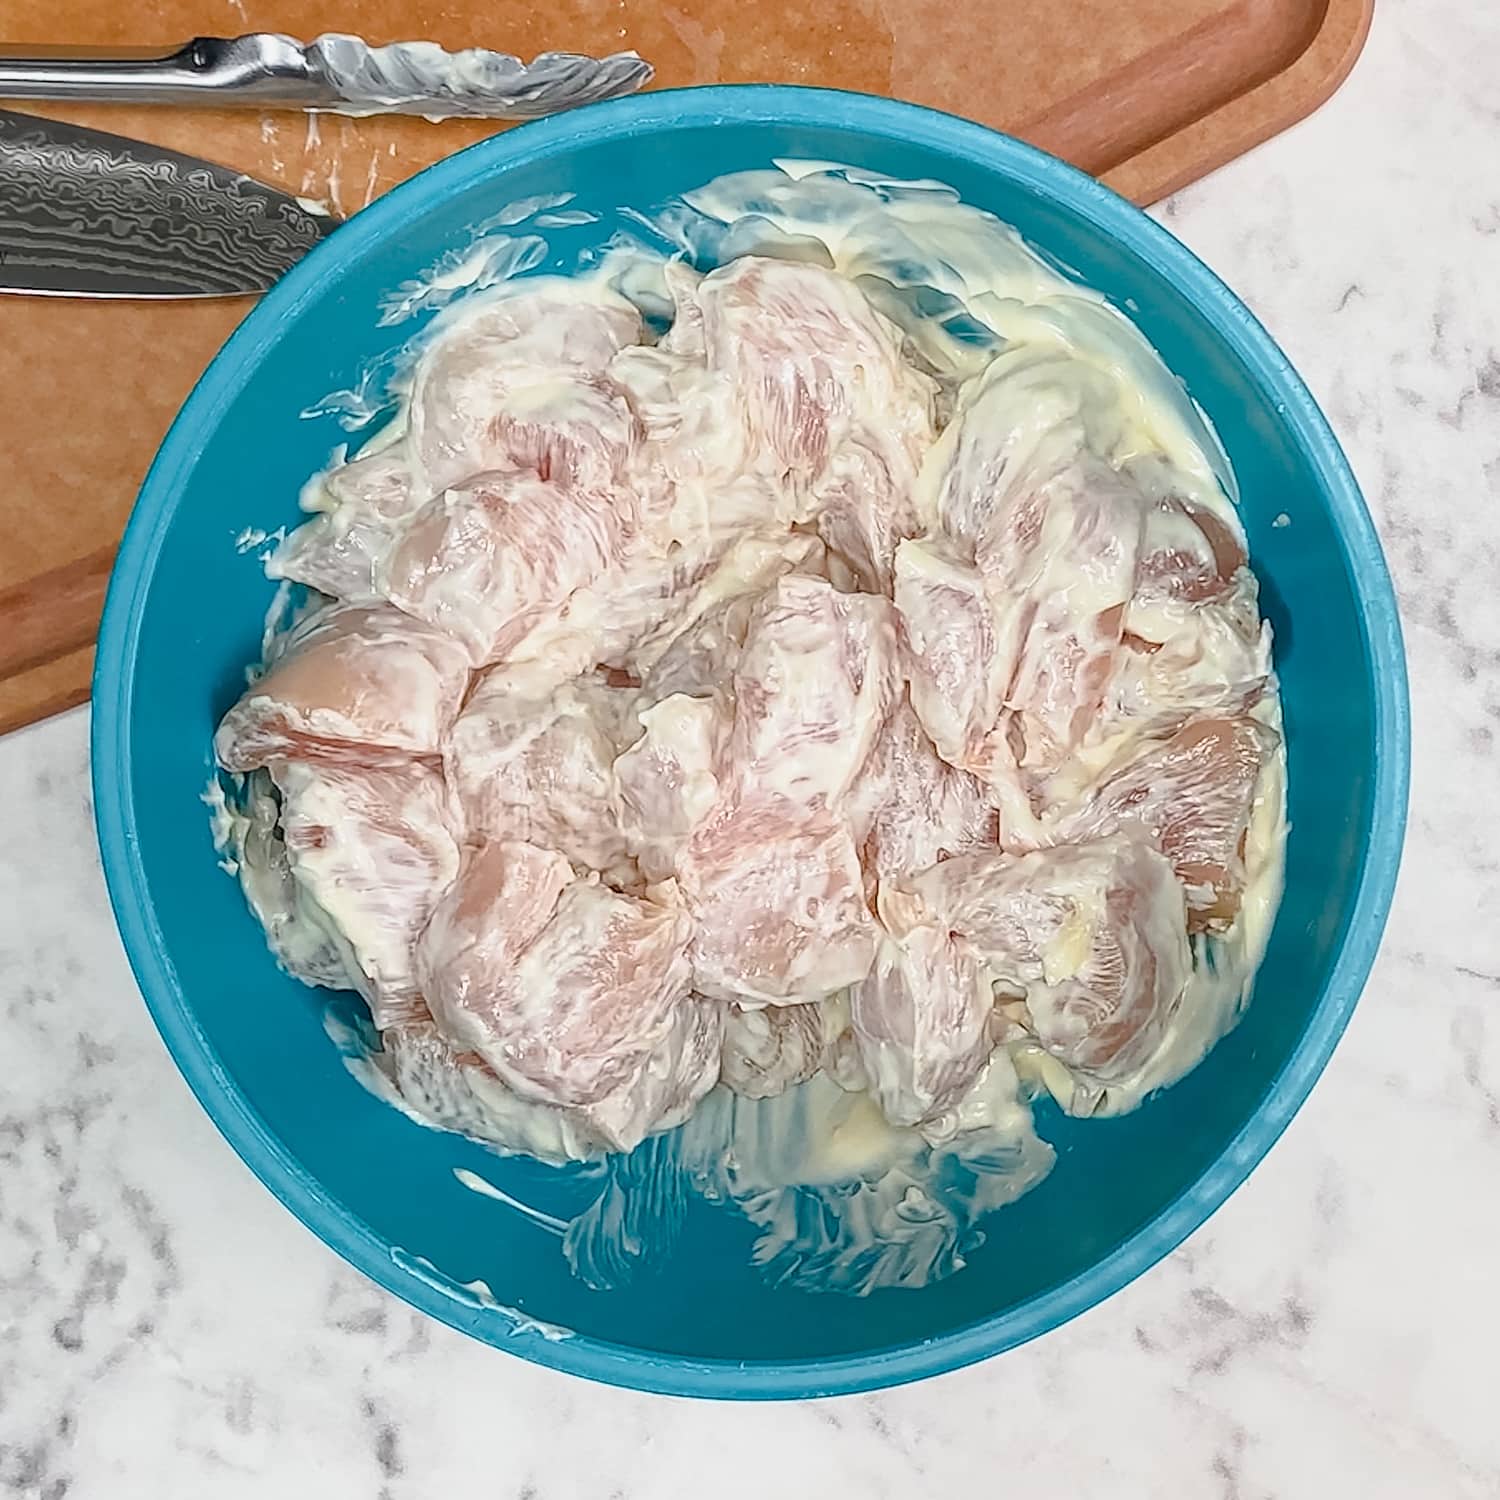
[[1109, 215]]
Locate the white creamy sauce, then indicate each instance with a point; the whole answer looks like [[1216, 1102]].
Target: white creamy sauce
[[252, 537], [486, 1189], [841, 1199], [477, 1294]]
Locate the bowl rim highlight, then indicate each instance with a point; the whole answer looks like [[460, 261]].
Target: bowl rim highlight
[[640, 115]]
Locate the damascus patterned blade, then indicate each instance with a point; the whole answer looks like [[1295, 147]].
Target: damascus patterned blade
[[87, 214]]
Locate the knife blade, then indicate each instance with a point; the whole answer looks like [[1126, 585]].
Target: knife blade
[[85, 213]]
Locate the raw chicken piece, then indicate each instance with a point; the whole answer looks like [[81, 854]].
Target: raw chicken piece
[[922, 1020], [1192, 795], [766, 869], [653, 608], [695, 448], [813, 686], [540, 772], [957, 673], [350, 684], [565, 987], [695, 647], [674, 1077], [528, 448], [769, 1050], [1188, 555], [1182, 658], [777, 897], [667, 783], [1020, 424], [912, 808], [812, 364], [373, 848], [520, 387], [1212, 661], [865, 509], [485, 560], [1009, 659], [1093, 935], [1060, 593], [1054, 532], [667, 607], [363, 506], [457, 1090], [600, 624], [700, 661], [1193, 640], [710, 408]]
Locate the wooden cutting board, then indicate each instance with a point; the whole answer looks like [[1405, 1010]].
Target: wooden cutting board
[[1147, 94]]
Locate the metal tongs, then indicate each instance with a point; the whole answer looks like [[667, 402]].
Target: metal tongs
[[335, 73]]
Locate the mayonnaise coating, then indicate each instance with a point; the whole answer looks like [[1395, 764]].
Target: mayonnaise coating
[[805, 693]]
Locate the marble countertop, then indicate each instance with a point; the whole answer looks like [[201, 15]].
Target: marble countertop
[[166, 1328]]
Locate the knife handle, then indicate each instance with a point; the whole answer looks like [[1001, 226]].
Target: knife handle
[[259, 69]]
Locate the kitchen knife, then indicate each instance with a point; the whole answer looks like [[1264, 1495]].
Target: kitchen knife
[[84, 213]]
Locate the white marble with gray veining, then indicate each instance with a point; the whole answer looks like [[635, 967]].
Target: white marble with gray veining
[[167, 1329]]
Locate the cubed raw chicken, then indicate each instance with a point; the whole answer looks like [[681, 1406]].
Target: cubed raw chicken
[[666, 785], [912, 809], [956, 669], [1036, 623], [1179, 659], [773, 1048], [484, 561], [565, 987], [349, 684], [1189, 555], [363, 507], [777, 897], [694, 448], [812, 364], [520, 386], [813, 686], [1192, 795], [695, 647], [300, 933], [540, 771], [374, 849], [922, 1019], [1060, 595], [1093, 936], [687, 707], [457, 1090], [1193, 641], [675, 1076], [1053, 532], [865, 509], [1026, 419], [771, 875], [527, 450]]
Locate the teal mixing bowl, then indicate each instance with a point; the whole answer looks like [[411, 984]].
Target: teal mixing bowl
[[184, 616]]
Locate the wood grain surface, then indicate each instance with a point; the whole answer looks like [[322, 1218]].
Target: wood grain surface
[[1147, 94]]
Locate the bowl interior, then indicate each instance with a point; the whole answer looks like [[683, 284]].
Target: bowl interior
[[185, 617]]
